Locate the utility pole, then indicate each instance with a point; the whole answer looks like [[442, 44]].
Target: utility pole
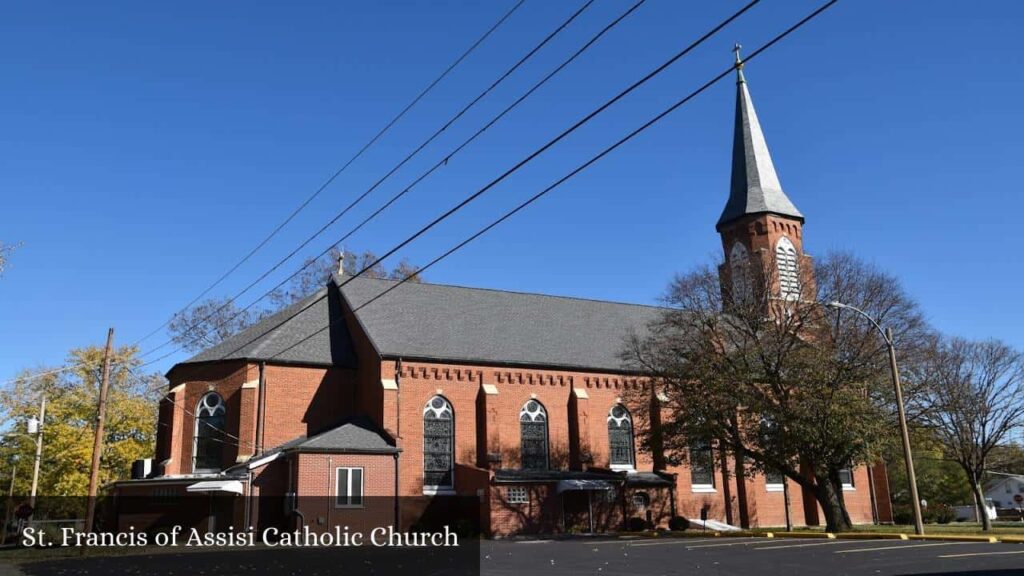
[[39, 452], [97, 443], [907, 456]]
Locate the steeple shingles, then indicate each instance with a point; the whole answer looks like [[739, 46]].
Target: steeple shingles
[[755, 187]]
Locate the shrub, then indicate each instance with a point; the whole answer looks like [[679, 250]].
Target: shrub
[[902, 515], [678, 524], [636, 524], [939, 514]]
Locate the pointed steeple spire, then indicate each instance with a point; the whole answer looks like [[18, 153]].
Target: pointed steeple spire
[[755, 187]]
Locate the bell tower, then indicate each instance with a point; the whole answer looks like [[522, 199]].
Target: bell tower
[[760, 226]]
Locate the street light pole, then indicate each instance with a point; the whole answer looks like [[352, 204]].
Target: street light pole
[[908, 458]]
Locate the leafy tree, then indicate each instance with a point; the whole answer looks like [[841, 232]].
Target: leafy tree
[[974, 403], [212, 321], [69, 426], [782, 383]]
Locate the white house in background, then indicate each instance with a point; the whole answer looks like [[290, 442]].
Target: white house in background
[[1005, 491]]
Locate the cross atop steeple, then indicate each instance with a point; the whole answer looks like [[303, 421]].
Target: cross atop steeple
[[739, 63]]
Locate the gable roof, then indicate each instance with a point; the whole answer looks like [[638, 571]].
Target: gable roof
[[473, 325], [358, 435], [420, 321], [297, 334]]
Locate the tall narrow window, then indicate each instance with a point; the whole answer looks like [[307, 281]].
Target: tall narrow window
[[533, 431], [349, 492], [620, 437], [739, 269], [208, 449], [789, 269], [702, 466], [438, 435]]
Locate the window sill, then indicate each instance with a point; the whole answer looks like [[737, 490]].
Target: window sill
[[349, 506], [623, 468], [774, 488], [849, 488], [703, 489], [438, 491]]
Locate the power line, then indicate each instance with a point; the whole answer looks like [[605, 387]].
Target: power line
[[581, 167], [442, 162], [523, 162], [344, 166]]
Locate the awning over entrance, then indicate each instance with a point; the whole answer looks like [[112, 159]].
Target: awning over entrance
[[567, 485], [232, 486]]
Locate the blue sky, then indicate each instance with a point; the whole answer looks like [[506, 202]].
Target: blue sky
[[145, 147]]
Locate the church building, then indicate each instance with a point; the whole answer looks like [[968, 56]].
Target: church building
[[357, 402]]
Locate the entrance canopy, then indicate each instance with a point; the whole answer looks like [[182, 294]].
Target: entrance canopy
[[568, 485], [232, 486]]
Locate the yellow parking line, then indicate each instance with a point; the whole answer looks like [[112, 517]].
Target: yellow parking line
[[902, 547], [829, 543], [981, 554]]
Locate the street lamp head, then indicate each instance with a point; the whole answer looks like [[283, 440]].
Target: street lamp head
[[834, 304]]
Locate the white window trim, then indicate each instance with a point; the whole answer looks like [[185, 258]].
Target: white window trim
[[438, 490], [849, 488], [628, 468], [775, 486], [703, 489], [362, 485]]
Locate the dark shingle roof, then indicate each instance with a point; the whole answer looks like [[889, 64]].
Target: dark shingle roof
[[755, 186], [296, 334], [446, 323], [357, 435], [452, 323]]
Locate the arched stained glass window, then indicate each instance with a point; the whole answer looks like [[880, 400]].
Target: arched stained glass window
[[438, 443], [533, 430], [789, 269], [620, 437], [208, 448]]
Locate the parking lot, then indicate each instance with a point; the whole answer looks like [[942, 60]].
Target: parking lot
[[750, 556]]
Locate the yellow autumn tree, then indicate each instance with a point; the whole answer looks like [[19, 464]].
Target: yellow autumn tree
[[69, 427]]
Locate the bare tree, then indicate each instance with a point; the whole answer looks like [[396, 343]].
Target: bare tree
[[210, 322], [775, 378], [975, 405], [213, 320], [5, 255]]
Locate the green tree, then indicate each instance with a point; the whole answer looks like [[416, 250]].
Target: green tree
[[68, 431], [780, 382]]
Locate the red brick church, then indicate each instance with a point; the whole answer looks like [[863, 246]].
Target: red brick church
[[517, 401]]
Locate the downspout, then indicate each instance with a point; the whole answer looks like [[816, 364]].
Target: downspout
[[397, 526], [260, 407], [258, 440]]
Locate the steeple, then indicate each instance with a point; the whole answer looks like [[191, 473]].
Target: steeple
[[755, 187]]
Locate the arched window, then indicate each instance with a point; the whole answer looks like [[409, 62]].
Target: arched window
[[739, 269], [208, 449], [789, 269], [620, 437], [533, 431], [438, 443]]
